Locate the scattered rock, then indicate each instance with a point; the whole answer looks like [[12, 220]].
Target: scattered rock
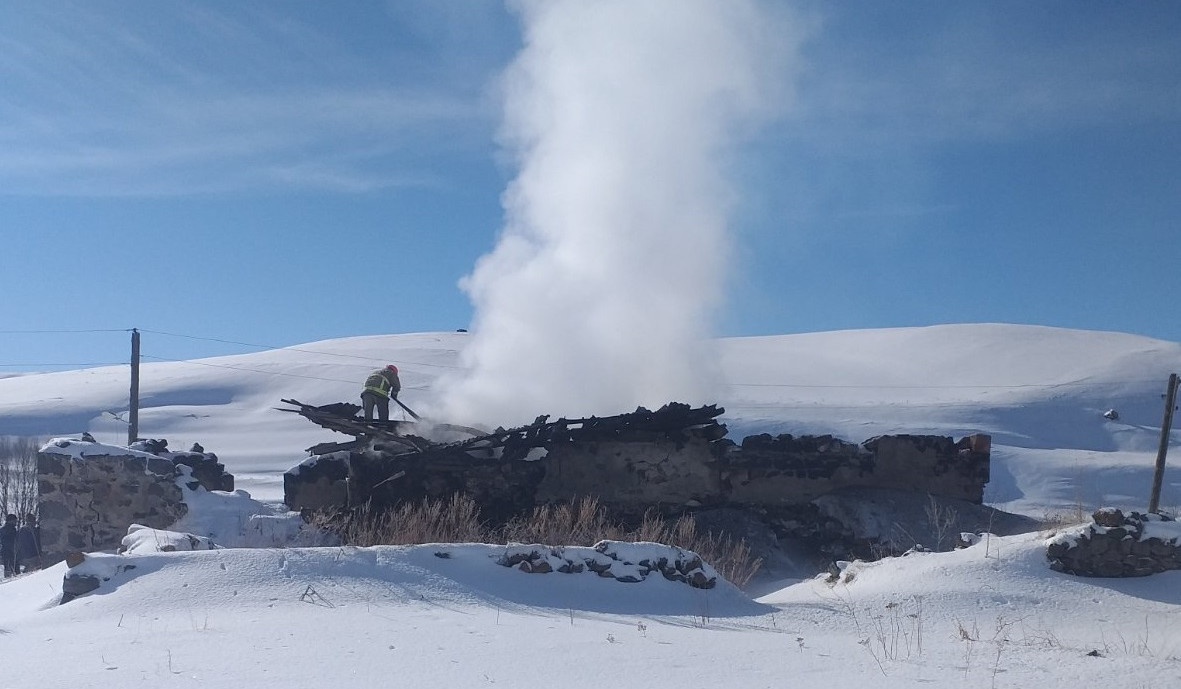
[[609, 559], [78, 585], [1108, 516]]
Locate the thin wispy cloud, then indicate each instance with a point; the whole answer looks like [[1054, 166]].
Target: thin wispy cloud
[[974, 73], [902, 112], [102, 103], [183, 145], [343, 176]]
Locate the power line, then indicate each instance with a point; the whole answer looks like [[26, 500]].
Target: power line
[[243, 368], [369, 360], [934, 387], [292, 349], [216, 339], [883, 387], [868, 405], [58, 332], [91, 363]]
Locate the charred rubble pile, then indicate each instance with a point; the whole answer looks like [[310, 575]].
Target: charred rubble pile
[[506, 471], [676, 460]]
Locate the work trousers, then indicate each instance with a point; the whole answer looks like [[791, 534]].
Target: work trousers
[[371, 400]]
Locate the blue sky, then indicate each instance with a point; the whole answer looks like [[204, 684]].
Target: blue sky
[[280, 173]]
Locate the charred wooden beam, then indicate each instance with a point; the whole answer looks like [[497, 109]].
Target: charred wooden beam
[[342, 418], [388, 438]]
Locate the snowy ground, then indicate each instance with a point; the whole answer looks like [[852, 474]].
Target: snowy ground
[[992, 615]]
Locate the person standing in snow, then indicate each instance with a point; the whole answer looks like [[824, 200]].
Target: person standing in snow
[[380, 387], [28, 545], [8, 545]]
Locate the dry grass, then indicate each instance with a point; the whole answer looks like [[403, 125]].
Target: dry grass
[[455, 520], [583, 522], [1055, 521]]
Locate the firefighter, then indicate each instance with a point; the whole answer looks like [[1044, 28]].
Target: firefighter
[[380, 387]]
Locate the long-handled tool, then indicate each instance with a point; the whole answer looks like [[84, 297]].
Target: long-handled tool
[[408, 410]]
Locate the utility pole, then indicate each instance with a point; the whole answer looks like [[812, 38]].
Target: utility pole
[[133, 406], [1158, 476]]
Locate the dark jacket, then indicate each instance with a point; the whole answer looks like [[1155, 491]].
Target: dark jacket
[[27, 543], [383, 383], [8, 537]]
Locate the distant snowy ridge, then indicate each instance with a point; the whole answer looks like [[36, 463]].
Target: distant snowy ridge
[[1035, 389]]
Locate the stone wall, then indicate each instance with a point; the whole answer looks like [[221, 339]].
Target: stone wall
[[631, 472], [1118, 545], [89, 493], [660, 470], [320, 482], [936, 464], [501, 489]]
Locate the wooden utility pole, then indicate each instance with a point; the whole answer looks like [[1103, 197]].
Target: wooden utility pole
[[133, 406], [1158, 476]]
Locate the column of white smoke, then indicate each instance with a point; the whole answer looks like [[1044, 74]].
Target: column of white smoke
[[600, 294]]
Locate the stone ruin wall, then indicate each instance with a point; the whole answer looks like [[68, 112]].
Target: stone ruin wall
[[88, 497], [653, 471], [1118, 545], [768, 471], [501, 489], [671, 471], [89, 493]]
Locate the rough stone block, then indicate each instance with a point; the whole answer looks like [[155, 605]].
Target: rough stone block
[[1108, 516]]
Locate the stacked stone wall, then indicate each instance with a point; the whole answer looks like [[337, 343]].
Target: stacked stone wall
[[320, 482], [774, 471], [502, 489], [89, 494], [87, 504], [940, 465], [630, 473], [1118, 545]]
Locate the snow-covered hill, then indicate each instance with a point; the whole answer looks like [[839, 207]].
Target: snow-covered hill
[[1040, 392], [992, 615]]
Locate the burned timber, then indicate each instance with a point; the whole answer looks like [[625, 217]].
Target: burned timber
[[676, 459]]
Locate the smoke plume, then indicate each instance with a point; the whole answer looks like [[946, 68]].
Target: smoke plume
[[621, 116]]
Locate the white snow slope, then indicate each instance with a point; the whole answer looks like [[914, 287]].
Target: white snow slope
[[992, 615]]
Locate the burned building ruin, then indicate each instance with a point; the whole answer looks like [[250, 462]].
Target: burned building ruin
[[676, 459]]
